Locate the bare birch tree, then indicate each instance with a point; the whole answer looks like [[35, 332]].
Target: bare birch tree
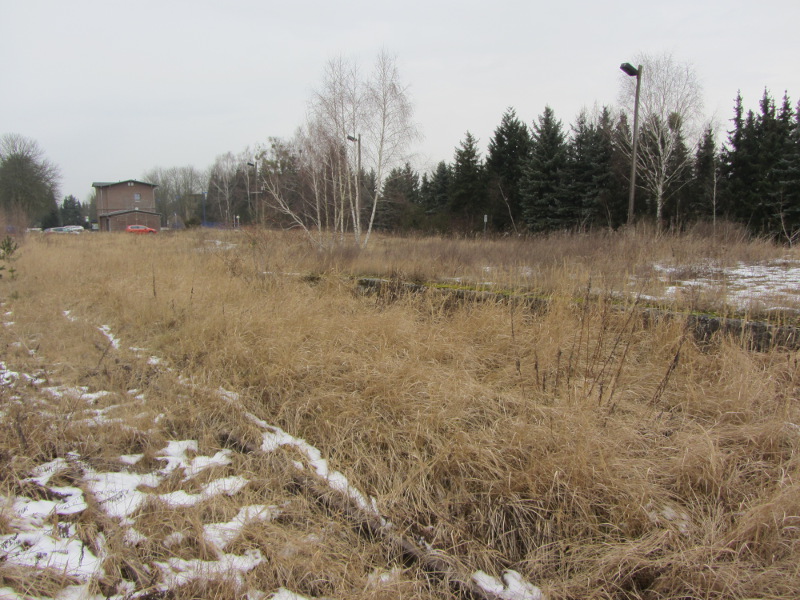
[[391, 128], [222, 186], [377, 113], [670, 104]]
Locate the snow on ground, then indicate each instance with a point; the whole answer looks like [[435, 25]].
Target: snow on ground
[[42, 536], [772, 285]]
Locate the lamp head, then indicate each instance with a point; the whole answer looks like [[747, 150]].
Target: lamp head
[[629, 69]]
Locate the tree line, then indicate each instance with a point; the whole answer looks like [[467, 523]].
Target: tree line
[[347, 171], [549, 177]]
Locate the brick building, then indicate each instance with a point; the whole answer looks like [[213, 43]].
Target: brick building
[[124, 203]]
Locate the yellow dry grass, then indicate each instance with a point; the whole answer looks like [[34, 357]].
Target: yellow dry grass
[[599, 456]]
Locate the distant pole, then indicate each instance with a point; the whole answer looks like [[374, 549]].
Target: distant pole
[[357, 140], [255, 192], [633, 72]]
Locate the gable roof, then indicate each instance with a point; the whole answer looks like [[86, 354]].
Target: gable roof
[[126, 211], [102, 184]]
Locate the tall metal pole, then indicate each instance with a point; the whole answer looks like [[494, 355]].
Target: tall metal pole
[[635, 144], [358, 178], [357, 140]]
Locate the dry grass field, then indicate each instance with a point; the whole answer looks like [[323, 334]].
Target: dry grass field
[[228, 415]]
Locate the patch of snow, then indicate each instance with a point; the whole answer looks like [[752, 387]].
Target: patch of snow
[[7, 377], [174, 539], [221, 534], [131, 459], [275, 437], [513, 586], [284, 594], [181, 499], [200, 463], [668, 514], [380, 577], [117, 493], [176, 572], [775, 283], [43, 472], [106, 331], [134, 537], [47, 548], [175, 454]]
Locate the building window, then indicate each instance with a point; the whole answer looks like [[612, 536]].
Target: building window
[[137, 197]]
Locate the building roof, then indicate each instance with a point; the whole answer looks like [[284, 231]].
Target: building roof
[[128, 210], [100, 184]]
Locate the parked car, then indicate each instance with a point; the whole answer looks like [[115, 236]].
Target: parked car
[[139, 229], [65, 229]]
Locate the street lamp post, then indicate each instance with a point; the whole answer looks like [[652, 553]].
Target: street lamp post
[[255, 193], [630, 70], [357, 140]]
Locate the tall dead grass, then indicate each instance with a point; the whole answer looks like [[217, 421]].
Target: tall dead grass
[[600, 456]]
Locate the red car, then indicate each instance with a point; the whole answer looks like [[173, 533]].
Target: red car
[[139, 229]]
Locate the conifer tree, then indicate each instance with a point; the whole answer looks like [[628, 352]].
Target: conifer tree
[[542, 187], [738, 164], [703, 197], [508, 151], [578, 172], [468, 187], [785, 172], [677, 194], [758, 144], [401, 207], [589, 175], [435, 190], [70, 212], [616, 204]]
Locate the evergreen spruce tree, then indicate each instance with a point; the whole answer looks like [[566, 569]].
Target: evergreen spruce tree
[[435, 198], [508, 151], [578, 177], [589, 174], [677, 194], [542, 187], [401, 207], [703, 197], [615, 204], [70, 212], [785, 173], [609, 195], [764, 141], [730, 162], [468, 187], [738, 164]]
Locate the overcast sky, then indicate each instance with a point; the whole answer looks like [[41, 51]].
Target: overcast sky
[[112, 89]]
